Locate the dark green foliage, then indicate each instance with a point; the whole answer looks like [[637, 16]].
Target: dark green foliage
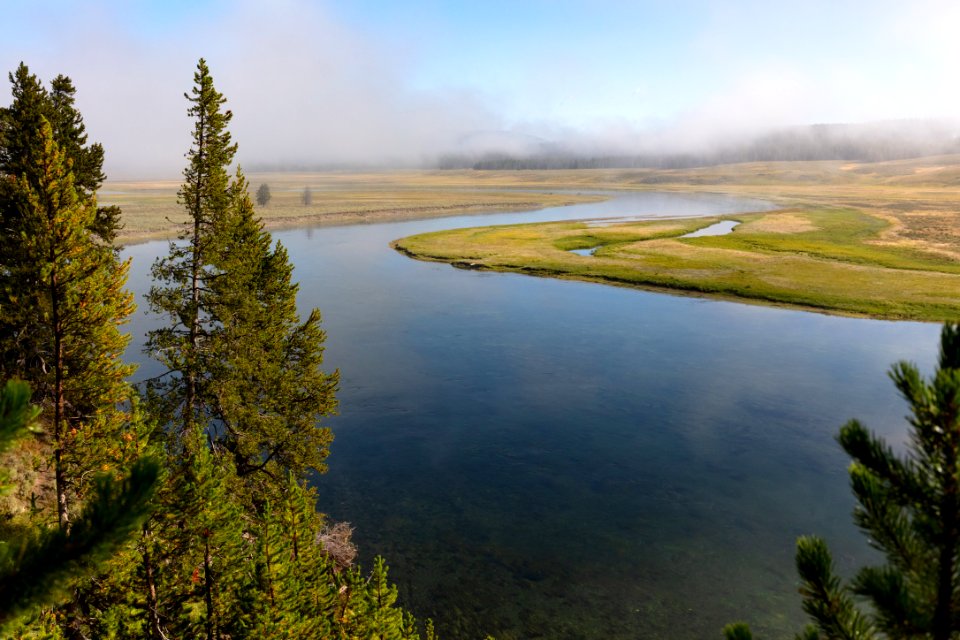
[[263, 195], [210, 566], [37, 567], [266, 389], [910, 509], [58, 338], [31, 103], [36, 571], [737, 631], [242, 363], [233, 546], [825, 599], [183, 277], [233, 551], [55, 261], [297, 579]]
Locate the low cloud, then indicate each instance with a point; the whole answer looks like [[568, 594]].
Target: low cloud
[[309, 89]]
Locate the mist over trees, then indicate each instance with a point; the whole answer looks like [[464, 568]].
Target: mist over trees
[[873, 142]]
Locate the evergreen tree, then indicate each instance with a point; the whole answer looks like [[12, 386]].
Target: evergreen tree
[[244, 391], [910, 509], [243, 363], [213, 552], [185, 274], [62, 294], [263, 195], [266, 387], [31, 102], [296, 578]]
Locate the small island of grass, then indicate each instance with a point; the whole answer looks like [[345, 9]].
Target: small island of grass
[[823, 258]]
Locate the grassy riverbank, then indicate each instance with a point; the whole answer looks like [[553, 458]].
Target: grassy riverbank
[[878, 239], [150, 208], [831, 259]]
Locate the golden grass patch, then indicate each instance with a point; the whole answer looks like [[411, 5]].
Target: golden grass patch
[[781, 223]]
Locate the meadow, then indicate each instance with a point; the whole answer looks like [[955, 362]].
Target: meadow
[[150, 208], [876, 239], [879, 240]]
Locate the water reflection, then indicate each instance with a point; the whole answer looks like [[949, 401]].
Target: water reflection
[[543, 458]]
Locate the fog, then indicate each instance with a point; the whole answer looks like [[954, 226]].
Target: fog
[[309, 88]]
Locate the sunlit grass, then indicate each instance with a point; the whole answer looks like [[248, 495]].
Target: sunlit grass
[[150, 208], [824, 258]]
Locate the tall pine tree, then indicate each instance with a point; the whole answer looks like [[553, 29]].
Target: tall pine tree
[[63, 301], [184, 276], [242, 363], [243, 393], [266, 385]]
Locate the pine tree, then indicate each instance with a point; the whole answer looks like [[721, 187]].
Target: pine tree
[[186, 272], [31, 102], [243, 363], [244, 391], [296, 578], [62, 293], [910, 509], [266, 386]]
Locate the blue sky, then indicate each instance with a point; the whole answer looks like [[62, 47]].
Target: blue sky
[[362, 79]]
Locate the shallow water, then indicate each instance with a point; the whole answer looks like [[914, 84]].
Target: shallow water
[[721, 228], [557, 459]]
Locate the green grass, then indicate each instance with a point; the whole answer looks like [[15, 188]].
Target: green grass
[[825, 258]]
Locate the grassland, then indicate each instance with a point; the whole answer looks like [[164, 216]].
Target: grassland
[[150, 208], [881, 240]]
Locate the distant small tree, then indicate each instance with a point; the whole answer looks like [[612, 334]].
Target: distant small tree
[[307, 196], [263, 195], [910, 509]]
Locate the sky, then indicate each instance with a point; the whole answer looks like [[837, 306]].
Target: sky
[[373, 81]]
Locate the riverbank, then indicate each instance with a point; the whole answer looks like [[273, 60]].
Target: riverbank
[[150, 209], [827, 259], [919, 198], [910, 210]]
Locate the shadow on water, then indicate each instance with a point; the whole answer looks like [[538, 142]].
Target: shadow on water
[[543, 458]]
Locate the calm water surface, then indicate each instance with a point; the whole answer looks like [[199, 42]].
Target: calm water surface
[[547, 459]]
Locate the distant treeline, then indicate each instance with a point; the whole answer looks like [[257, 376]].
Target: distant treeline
[[855, 143]]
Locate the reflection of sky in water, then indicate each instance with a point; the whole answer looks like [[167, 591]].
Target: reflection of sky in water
[[580, 460]]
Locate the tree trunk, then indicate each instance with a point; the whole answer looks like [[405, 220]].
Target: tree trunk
[[59, 401], [208, 587], [943, 615], [156, 633]]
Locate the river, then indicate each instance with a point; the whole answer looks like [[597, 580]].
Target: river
[[540, 458]]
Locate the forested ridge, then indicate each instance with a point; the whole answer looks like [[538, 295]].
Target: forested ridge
[[179, 508]]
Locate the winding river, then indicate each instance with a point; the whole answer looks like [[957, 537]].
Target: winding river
[[540, 458]]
